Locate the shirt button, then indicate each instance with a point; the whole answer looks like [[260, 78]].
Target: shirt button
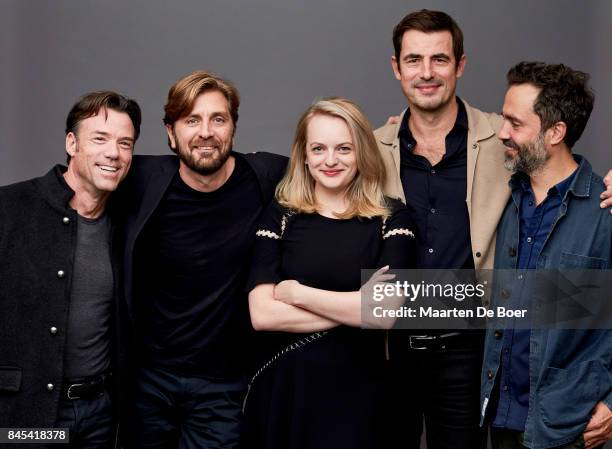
[[489, 374], [478, 254], [505, 293], [66, 220], [430, 250], [433, 172], [531, 203], [475, 146], [506, 351], [53, 330], [512, 251], [498, 334], [520, 277], [50, 387], [432, 210], [505, 387], [61, 274], [529, 239]]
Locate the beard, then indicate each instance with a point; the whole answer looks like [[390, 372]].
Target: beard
[[529, 158], [204, 165]]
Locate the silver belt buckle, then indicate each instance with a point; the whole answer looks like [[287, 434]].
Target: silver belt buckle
[[69, 392], [419, 337]]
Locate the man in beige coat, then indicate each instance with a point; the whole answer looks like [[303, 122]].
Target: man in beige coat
[[445, 162]]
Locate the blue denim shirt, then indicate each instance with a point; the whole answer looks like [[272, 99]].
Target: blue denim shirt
[[569, 370], [535, 224]]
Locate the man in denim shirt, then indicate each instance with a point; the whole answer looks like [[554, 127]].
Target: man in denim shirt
[[550, 388]]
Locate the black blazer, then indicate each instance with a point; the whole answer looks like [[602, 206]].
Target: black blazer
[[38, 231], [146, 184], [136, 200]]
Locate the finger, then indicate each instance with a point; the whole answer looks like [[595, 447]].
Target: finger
[[385, 277], [592, 435], [593, 442], [382, 270], [606, 203], [589, 435], [592, 425], [378, 273]]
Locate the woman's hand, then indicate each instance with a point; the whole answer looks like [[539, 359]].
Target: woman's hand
[[287, 291], [375, 303]]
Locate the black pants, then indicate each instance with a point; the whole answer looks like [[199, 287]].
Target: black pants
[[90, 422], [172, 411], [439, 386]]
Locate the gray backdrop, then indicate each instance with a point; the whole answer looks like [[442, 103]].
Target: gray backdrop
[[281, 54]]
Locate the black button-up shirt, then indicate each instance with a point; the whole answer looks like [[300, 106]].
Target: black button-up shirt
[[437, 196]]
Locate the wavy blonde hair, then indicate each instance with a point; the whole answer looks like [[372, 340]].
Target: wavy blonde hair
[[364, 194]]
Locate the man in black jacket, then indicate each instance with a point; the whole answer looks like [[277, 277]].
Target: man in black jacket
[[57, 281], [189, 231]]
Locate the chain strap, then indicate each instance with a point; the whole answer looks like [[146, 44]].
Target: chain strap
[[286, 350]]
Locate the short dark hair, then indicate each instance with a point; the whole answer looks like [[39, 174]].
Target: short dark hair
[[91, 103], [564, 95], [428, 21]]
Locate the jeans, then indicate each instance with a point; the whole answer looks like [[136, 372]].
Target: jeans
[[172, 411]]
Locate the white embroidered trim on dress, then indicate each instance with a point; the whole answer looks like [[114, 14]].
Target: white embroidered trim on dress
[[266, 233], [284, 222], [398, 231]]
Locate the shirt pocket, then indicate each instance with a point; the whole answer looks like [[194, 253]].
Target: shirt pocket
[[569, 260]]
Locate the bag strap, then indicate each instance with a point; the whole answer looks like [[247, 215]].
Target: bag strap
[[304, 341]]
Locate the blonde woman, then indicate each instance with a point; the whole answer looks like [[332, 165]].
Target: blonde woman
[[319, 377]]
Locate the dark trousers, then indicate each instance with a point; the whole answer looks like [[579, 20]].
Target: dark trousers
[[90, 422], [438, 386], [513, 439], [172, 411]]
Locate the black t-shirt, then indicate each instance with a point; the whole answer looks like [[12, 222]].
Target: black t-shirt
[[190, 266]]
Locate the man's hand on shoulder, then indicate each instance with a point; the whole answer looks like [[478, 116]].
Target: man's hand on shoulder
[[607, 195], [599, 428], [394, 120]]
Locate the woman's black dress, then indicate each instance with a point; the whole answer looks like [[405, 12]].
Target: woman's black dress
[[325, 391]]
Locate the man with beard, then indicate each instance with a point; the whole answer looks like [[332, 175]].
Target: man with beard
[[444, 160], [551, 388], [189, 231], [59, 283]]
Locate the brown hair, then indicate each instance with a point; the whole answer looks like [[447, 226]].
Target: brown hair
[[428, 21], [565, 95], [90, 105], [365, 196], [183, 94]]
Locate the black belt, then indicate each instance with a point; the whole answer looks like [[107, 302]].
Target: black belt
[[435, 342], [87, 388]]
